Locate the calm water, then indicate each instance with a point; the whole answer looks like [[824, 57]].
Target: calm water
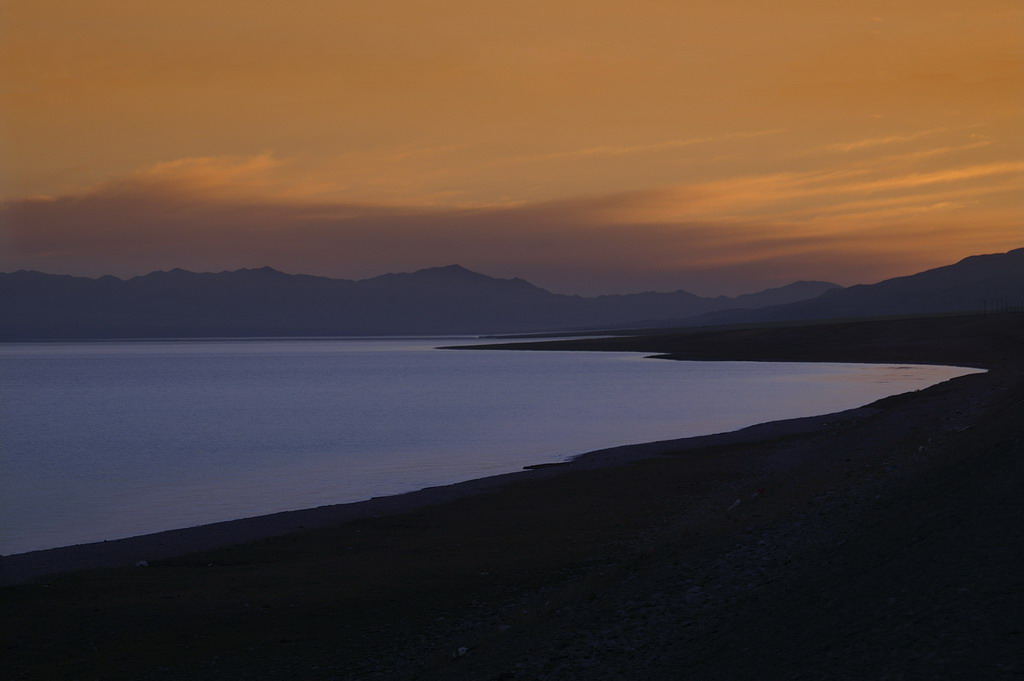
[[111, 439]]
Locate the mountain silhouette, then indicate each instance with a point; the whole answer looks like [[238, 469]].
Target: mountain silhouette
[[266, 302], [453, 300], [978, 283]]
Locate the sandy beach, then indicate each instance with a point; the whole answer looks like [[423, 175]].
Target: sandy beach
[[881, 542]]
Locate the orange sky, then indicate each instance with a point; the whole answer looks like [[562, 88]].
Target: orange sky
[[598, 146]]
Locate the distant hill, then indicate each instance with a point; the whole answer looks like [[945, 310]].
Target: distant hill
[[982, 282], [266, 302]]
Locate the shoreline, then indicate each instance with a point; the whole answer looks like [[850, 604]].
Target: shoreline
[[158, 543], [880, 542], [128, 551]]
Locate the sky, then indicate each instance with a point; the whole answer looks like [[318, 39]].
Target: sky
[[598, 146]]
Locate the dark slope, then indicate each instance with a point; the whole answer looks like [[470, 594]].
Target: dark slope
[[975, 284]]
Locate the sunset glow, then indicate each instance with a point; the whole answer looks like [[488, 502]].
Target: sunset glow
[[589, 147]]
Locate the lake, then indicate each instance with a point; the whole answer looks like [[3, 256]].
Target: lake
[[102, 440]]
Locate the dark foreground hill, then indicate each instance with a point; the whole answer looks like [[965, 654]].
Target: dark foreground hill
[[879, 543]]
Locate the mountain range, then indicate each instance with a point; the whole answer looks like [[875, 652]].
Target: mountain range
[[448, 301], [978, 283]]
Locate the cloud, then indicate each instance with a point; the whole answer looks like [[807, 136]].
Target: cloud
[[881, 141], [225, 213], [630, 149], [793, 197]]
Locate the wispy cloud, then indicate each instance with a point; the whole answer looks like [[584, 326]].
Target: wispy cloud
[[927, 154], [429, 151], [626, 150], [804, 195], [945, 176], [950, 197], [869, 142]]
